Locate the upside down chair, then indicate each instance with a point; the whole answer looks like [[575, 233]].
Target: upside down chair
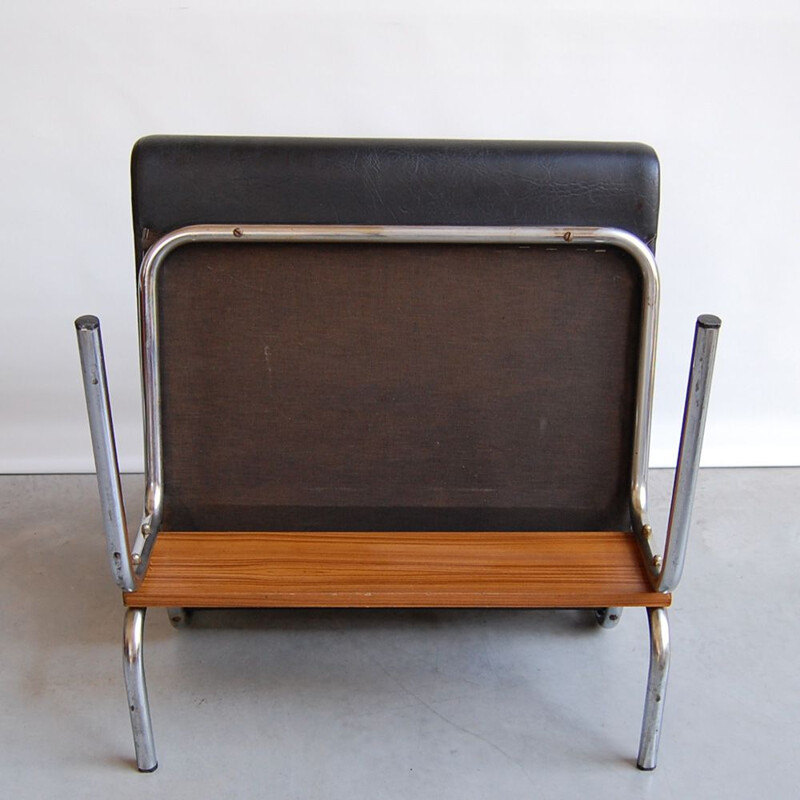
[[392, 374]]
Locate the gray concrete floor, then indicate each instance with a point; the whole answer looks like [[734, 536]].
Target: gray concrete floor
[[403, 704]]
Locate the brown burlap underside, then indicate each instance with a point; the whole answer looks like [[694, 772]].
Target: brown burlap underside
[[398, 387]]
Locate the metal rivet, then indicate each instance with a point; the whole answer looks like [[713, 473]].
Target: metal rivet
[[647, 531], [657, 562]]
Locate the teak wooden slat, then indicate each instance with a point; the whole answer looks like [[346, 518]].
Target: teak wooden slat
[[479, 569]]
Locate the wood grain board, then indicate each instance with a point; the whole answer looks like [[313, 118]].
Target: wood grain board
[[396, 569]]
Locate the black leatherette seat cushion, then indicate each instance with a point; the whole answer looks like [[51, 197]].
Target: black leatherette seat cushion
[[186, 180]]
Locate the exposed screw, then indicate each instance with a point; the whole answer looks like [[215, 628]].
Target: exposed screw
[[136, 558], [657, 562], [568, 236], [647, 531], [237, 232]]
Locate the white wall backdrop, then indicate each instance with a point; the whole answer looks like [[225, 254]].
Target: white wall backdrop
[[713, 86]]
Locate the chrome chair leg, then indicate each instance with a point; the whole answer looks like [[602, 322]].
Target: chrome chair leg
[[656, 688], [607, 617], [133, 669]]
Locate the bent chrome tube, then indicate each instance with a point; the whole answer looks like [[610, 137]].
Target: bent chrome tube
[[98, 406], [694, 421], [657, 678], [136, 687], [580, 236]]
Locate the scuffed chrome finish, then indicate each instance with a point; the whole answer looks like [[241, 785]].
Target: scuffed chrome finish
[[694, 421], [148, 316], [608, 617], [656, 688], [133, 669], [98, 406]]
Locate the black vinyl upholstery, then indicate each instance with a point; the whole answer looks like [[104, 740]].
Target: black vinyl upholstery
[[186, 180]]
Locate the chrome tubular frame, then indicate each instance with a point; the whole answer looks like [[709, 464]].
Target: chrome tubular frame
[[694, 421], [581, 237], [128, 569], [138, 705], [98, 406], [656, 688]]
